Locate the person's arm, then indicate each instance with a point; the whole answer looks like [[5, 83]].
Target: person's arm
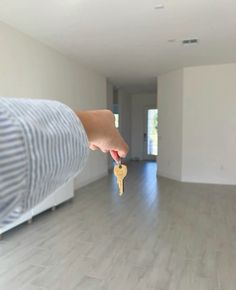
[[46, 144], [102, 133]]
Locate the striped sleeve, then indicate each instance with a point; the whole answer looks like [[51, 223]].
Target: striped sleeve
[[13, 175], [42, 146]]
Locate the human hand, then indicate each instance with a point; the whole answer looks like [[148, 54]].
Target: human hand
[[102, 133]]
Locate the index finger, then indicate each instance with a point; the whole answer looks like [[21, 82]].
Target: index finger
[[115, 155]]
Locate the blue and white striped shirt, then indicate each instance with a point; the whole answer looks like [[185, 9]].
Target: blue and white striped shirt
[[42, 145]]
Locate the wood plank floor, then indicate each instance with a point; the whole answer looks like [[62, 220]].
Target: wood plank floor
[[161, 235]]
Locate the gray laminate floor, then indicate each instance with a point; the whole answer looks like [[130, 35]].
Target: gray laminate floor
[[162, 235]]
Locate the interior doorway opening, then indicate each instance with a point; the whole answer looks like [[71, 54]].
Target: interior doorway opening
[[151, 134]]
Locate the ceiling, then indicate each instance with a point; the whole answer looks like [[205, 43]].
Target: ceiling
[[130, 41]]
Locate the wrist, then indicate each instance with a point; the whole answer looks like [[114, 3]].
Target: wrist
[[87, 119]]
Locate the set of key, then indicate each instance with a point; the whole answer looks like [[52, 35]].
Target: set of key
[[120, 171]]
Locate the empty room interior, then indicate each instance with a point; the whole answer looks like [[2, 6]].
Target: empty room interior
[[117, 145]]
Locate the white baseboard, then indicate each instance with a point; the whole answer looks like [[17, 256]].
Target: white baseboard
[[190, 179], [168, 175], [217, 181], [91, 179]]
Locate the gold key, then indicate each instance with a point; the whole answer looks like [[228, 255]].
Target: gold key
[[120, 171]]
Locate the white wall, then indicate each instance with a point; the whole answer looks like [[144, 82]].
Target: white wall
[[209, 127], [124, 104], [110, 107], [109, 96], [139, 103], [170, 95], [197, 123], [31, 69]]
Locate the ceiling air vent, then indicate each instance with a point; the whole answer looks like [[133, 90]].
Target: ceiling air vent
[[191, 41]]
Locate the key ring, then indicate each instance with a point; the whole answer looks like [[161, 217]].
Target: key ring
[[119, 162]]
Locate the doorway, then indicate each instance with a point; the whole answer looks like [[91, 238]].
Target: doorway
[[150, 134]]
